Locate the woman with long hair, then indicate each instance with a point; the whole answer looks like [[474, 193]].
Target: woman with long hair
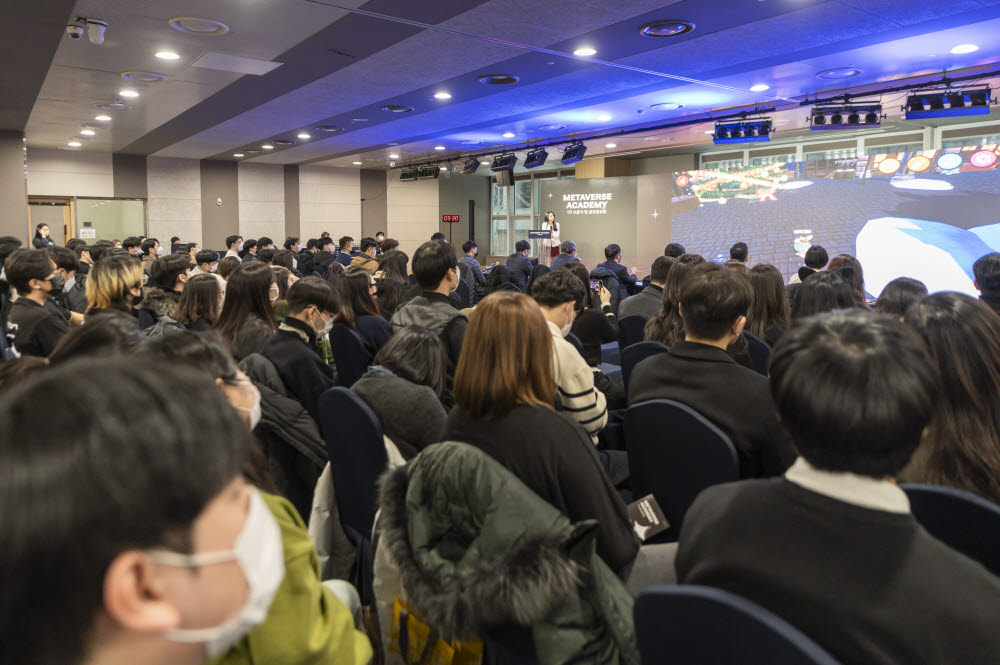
[[200, 302], [247, 318], [962, 445], [500, 279], [769, 315], [666, 325], [899, 294], [550, 246], [822, 292], [391, 281], [505, 405], [42, 239], [595, 323], [359, 310], [279, 291], [536, 272], [855, 278], [115, 282]]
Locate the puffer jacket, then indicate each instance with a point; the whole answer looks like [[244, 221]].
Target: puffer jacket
[[477, 551], [157, 303]]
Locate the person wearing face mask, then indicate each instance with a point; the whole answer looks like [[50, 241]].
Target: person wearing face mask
[[312, 307], [160, 299], [207, 264], [234, 245], [114, 283], [74, 293], [35, 323], [366, 259]]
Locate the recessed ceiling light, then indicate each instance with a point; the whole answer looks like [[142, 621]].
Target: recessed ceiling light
[[114, 106], [356, 163], [359, 119], [144, 77], [485, 163], [604, 117], [444, 168], [838, 73], [281, 142], [198, 26], [666, 28], [267, 146], [128, 93], [760, 87], [585, 51], [303, 135], [102, 118], [666, 106], [470, 142], [610, 145], [167, 55], [87, 132], [397, 108], [498, 79], [393, 156], [238, 154], [710, 132], [509, 135], [253, 152], [964, 48], [329, 128], [442, 95], [74, 144], [551, 128], [439, 147]]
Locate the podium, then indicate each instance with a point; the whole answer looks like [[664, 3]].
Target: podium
[[539, 234]]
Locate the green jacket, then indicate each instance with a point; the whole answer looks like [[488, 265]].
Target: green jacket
[[476, 549]]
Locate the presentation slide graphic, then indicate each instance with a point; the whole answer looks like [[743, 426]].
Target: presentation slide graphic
[[927, 215]]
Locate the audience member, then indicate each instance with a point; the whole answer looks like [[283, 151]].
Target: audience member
[[674, 250], [593, 327], [175, 244], [278, 294], [285, 258], [108, 332], [346, 245], [74, 292], [131, 245], [625, 276], [35, 323], [700, 373], [247, 320], [537, 272], [649, 301], [736, 266], [207, 263], [366, 259], [986, 271], [42, 239], [359, 310], [475, 278], [226, 266], [404, 387], [519, 264], [504, 393], [850, 268], [292, 244], [666, 326], [835, 537], [815, 260], [898, 295], [821, 292], [567, 254], [168, 276], [439, 236], [150, 248], [739, 252], [265, 243], [324, 255], [200, 303], [266, 256], [769, 315], [114, 283], [306, 257], [234, 245], [250, 249], [391, 281], [500, 279], [388, 245]]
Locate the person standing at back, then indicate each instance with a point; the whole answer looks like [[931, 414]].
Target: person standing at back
[[234, 245], [519, 264], [476, 280], [42, 239]]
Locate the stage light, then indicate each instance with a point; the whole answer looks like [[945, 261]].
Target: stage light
[[408, 174], [504, 162], [430, 171], [956, 101], [535, 158], [844, 117], [949, 161], [888, 166], [819, 119], [574, 153], [722, 133], [983, 159], [945, 104], [736, 132], [871, 118], [743, 131], [918, 164], [853, 118], [470, 166], [836, 119]]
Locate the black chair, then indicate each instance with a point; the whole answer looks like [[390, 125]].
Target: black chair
[[349, 354], [759, 352], [698, 625], [674, 453], [631, 330], [575, 341], [634, 354], [961, 520]]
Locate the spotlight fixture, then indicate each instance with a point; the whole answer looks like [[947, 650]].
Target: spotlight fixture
[[499, 79], [666, 28], [743, 131], [610, 145], [964, 48], [535, 158], [948, 103], [666, 106], [303, 136], [329, 128], [87, 132], [604, 117], [167, 55], [440, 147], [585, 52], [429, 171], [238, 154], [74, 144], [845, 117], [397, 108], [267, 146], [574, 153], [356, 163], [442, 95], [760, 87], [470, 166], [127, 93], [393, 156], [505, 162], [508, 135], [102, 118], [408, 174]]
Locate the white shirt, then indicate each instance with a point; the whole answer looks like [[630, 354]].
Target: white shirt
[[850, 488]]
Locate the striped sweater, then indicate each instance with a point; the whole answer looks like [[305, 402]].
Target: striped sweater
[[578, 397]]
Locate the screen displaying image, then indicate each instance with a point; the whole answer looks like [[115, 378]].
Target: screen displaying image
[[927, 215]]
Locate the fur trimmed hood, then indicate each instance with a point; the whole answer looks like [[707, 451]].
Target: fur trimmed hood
[[160, 302]]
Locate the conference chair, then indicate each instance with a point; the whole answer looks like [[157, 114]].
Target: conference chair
[[353, 436], [575, 341], [631, 330], [698, 625], [349, 354], [962, 520], [636, 353], [759, 352], [674, 453]]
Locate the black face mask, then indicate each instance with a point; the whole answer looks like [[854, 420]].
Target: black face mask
[[58, 282], [137, 299]]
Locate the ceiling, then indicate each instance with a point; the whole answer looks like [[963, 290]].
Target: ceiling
[[336, 63]]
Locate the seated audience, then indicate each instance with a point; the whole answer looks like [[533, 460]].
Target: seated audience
[[674, 250], [700, 373], [306, 257], [359, 309], [234, 245], [625, 276], [247, 320], [821, 292], [649, 301], [404, 387], [737, 266], [504, 394], [832, 547], [388, 245], [312, 306], [115, 283], [475, 278], [537, 272], [519, 264], [324, 255], [986, 271], [769, 315], [108, 332], [898, 295], [500, 279], [250, 249], [200, 303], [815, 260], [567, 254], [850, 268], [286, 259], [74, 292], [35, 323], [391, 281], [666, 325], [739, 252], [266, 256], [439, 236], [961, 447], [279, 291], [265, 243], [226, 267], [292, 244], [344, 256], [168, 275], [366, 259], [593, 326]]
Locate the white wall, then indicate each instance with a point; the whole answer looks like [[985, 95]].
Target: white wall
[[262, 201], [69, 173], [174, 199], [329, 200], [412, 212]]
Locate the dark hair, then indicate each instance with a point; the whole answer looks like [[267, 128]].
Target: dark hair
[[469, 245], [499, 276], [199, 301], [281, 275], [556, 288], [666, 326], [736, 266], [568, 247], [388, 245], [661, 268], [248, 244], [263, 242], [312, 243], [856, 279], [536, 272], [324, 234], [247, 294], [323, 242], [579, 271], [769, 307], [148, 244], [739, 252], [986, 270], [97, 251], [816, 257], [438, 236], [712, 299], [821, 292], [174, 239], [674, 250], [394, 282], [73, 243], [130, 242], [343, 242], [379, 233], [855, 391], [38, 229], [283, 258], [416, 354], [962, 446], [166, 269], [522, 245], [899, 294], [312, 291], [227, 265], [97, 486], [290, 241], [203, 351], [230, 241], [25, 265], [7, 246], [106, 332], [206, 256], [355, 297], [18, 370], [369, 243], [431, 263], [63, 257]]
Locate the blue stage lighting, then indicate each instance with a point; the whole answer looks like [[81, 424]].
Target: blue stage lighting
[[743, 131], [945, 104]]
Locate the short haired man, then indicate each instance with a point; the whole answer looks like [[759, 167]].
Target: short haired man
[[832, 546], [150, 250], [625, 276], [439, 236], [436, 270], [234, 245], [567, 254], [816, 259], [35, 323], [558, 294], [700, 373], [132, 245], [266, 256], [346, 246], [250, 249], [366, 259], [379, 237], [674, 250], [292, 244], [649, 301], [207, 263], [84, 260], [175, 244], [312, 306], [161, 297], [739, 252], [74, 292], [474, 273], [265, 243], [388, 245], [307, 256], [324, 253], [986, 271], [519, 264]]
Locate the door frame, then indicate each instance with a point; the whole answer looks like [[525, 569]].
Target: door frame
[[69, 214]]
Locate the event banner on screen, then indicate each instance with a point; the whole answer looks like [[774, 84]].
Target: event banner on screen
[[927, 215]]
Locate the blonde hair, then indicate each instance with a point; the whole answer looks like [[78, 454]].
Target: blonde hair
[[110, 282]]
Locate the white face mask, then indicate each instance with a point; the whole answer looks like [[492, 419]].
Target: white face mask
[[569, 324], [274, 293], [260, 554], [254, 411], [239, 248], [159, 251], [215, 266]]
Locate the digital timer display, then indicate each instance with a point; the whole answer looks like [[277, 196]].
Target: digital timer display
[[449, 218]]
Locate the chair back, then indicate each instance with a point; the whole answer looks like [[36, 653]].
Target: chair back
[[631, 330], [759, 352], [697, 625], [636, 353], [349, 354], [575, 341], [961, 520], [674, 453]]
